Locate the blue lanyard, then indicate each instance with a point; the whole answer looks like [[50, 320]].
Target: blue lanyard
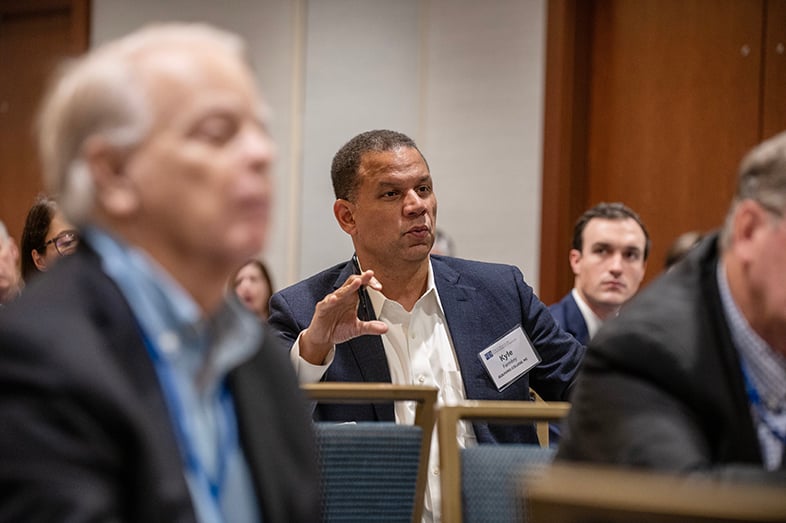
[[761, 411], [227, 439]]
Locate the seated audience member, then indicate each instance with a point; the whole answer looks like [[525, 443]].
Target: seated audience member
[[10, 281], [392, 313], [681, 246], [608, 258], [443, 244], [691, 377], [133, 390], [252, 284], [46, 237]]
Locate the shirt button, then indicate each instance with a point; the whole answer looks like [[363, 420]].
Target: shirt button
[[421, 379], [435, 471]]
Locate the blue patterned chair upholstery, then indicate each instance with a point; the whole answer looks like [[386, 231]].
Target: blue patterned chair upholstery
[[373, 471], [483, 483]]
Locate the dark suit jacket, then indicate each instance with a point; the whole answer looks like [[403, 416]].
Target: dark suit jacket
[[84, 430], [568, 316], [661, 385], [482, 303]]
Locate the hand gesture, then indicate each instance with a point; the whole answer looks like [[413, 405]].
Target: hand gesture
[[335, 319]]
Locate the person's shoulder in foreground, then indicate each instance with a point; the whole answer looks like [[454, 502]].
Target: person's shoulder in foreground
[[132, 389], [674, 382]]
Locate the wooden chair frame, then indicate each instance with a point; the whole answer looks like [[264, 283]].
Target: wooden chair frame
[[426, 398], [493, 411], [579, 492]]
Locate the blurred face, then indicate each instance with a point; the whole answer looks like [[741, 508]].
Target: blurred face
[[61, 240], [252, 289], [9, 272], [759, 287], [393, 217], [200, 182], [611, 265]]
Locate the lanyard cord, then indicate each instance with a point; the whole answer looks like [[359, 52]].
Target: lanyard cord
[[227, 438], [761, 411]]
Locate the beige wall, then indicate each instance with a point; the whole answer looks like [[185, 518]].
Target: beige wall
[[463, 78]]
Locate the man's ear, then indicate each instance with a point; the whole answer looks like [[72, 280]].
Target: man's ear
[[749, 221], [116, 193], [575, 260], [344, 211]]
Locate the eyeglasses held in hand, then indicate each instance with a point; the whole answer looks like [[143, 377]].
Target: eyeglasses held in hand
[[65, 242]]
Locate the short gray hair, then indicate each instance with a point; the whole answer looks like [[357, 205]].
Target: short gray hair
[[103, 94], [762, 178]]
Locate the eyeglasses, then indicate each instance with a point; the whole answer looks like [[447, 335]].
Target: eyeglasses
[[65, 242]]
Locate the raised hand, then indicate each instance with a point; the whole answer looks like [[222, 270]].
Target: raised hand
[[335, 319]]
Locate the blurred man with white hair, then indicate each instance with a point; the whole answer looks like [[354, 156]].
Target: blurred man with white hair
[[10, 280], [133, 390]]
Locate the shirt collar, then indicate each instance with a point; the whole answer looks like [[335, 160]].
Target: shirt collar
[[765, 367], [590, 318], [169, 317], [378, 299]]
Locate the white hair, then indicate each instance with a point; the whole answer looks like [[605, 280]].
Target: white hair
[[762, 178], [103, 94]]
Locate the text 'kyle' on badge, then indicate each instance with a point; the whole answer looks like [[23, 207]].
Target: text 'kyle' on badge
[[509, 358]]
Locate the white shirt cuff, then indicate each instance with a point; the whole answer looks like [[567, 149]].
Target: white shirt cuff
[[308, 372]]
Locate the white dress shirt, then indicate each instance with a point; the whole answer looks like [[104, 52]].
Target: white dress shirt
[[590, 318], [419, 351]]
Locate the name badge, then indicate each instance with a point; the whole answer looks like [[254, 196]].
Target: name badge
[[509, 358]]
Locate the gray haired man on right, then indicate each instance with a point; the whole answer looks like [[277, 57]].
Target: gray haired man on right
[[691, 376]]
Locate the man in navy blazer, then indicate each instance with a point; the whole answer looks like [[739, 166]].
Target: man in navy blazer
[[386, 203], [393, 313], [608, 258]]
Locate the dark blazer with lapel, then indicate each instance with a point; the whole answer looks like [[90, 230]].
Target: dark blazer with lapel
[[482, 303], [84, 430], [661, 386], [568, 316]]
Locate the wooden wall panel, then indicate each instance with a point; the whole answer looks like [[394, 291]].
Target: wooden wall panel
[[674, 106], [774, 88], [673, 101], [34, 36]]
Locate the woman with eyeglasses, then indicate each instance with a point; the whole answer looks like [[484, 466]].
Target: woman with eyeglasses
[[47, 237]]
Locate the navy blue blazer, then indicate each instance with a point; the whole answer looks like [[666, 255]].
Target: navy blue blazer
[[568, 315], [482, 303]]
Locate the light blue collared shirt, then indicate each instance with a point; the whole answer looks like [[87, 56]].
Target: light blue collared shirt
[[766, 370], [192, 356]]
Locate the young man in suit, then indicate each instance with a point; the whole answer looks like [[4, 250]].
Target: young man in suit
[[132, 389], [393, 313], [608, 258], [691, 377]]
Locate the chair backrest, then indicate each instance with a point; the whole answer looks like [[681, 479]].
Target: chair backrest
[[581, 493], [480, 483], [374, 471]]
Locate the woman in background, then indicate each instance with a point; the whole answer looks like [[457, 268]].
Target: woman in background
[[253, 286], [47, 237]]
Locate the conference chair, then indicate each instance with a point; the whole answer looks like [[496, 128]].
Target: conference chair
[[582, 493], [374, 471], [480, 483]]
